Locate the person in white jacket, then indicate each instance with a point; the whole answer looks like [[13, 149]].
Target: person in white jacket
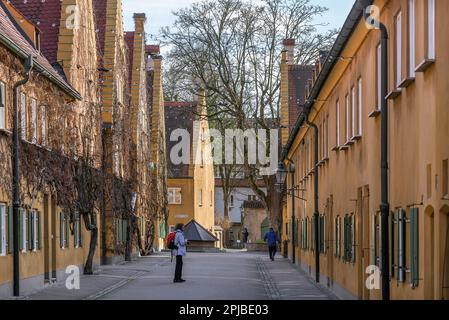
[[181, 251]]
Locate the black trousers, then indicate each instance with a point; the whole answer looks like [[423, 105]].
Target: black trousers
[[272, 250], [178, 269]]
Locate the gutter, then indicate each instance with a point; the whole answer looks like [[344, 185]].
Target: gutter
[[38, 67], [348, 28]]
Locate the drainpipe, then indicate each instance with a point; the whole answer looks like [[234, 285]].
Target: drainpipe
[[28, 64], [316, 214], [385, 205]]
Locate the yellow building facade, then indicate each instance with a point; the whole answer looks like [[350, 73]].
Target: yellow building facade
[[344, 103], [190, 185]]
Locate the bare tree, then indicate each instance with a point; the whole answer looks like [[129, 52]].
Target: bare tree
[[233, 47]]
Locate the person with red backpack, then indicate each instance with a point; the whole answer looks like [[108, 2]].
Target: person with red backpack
[[177, 243]]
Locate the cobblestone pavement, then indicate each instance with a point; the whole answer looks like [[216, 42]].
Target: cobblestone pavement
[[210, 276]]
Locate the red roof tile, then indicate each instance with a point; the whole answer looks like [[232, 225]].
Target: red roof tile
[[153, 49], [100, 7], [10, 30], [46, 15]]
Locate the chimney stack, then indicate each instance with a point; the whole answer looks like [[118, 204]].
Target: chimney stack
[[289, 48]]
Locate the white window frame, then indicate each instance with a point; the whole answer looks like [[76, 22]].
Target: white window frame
[[360, 107], [2, 105], [3, 223], [431, 37], [379, 76], [412, 37], [348, 120], [354, 115], [398, 24], [43, 125], [34, 120], [23, 116], [176, 196], [338, 123]]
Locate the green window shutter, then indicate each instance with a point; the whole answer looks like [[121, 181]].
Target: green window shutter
[[401, 245], [373, 240], [345, 238], [10, 227], [61, 230], [39, 231], [81, 231], [67, 232], [414, 247], [21, 230], [353, 238], [391, 223], [75, 234]]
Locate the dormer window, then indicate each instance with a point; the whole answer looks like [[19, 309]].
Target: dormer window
[[37, 40]]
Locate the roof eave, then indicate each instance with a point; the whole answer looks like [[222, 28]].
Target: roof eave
[[22, 54], [347, 30]]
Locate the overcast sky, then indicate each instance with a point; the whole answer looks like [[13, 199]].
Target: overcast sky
[[159, 12]]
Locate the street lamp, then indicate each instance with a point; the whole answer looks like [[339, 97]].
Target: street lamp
[[281, 176]]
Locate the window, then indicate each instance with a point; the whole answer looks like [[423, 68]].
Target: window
[[43, 126], [2, 229], [78, 233], [121, 230], [411, 33], [353, 112], [375, 239], [63, 231], [200, 198], [23, 234], [23, 116], [398, 49], [2, 106], [414, 247], [34, 120], [360, 107], [34, 230], [349, 239], [174, 196], [348, 119], [231, 201], [337, 132], [379, 76], [431, 29], [322, 236]]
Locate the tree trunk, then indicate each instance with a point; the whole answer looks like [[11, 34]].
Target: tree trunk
[[129, 236], [91, 225]]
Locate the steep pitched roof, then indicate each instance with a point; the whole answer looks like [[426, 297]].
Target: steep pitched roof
[[193, 231], [129, 39], [178, 115], [12, 37], [46, 15], [298, 77], [100, 8]]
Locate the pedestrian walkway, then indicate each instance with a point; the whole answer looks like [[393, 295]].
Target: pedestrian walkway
[[210, 276], [289, 283]]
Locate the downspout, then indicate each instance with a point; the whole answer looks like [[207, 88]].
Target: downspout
[[385, 205], [28, 64], [316, 213]]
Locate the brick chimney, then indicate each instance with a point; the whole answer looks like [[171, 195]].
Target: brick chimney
[[289, 49]]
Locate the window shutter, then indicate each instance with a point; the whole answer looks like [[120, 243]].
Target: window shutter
[[401, 245], [373, 240], [61, 230], [39, 231], [21, 229], [353, 236], [10, 227], [379, 240], [75, 234], [30, 225], [414, 247], [67, 232]]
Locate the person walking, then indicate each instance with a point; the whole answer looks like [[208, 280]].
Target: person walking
[[272, 239], [181, 251]]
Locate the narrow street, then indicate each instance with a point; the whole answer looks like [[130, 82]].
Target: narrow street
[[221, 276]]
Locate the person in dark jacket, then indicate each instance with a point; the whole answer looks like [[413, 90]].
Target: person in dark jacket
[[180, 243], [271, 239]]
